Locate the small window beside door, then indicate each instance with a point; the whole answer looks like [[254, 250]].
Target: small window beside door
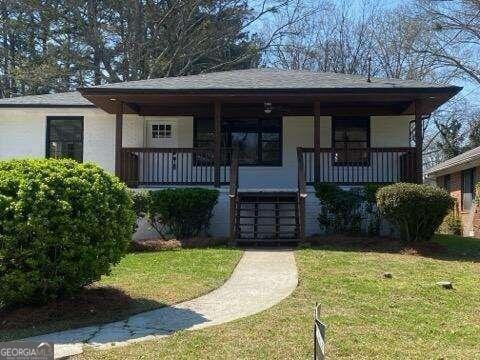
[[161, 131], [65, 137]]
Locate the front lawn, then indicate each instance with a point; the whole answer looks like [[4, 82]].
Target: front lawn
[[140, 282], [368, 315]]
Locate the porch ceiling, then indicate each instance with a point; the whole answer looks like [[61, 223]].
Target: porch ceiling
[[353, 102]]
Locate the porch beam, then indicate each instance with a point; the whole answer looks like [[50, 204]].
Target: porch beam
[[418, 140], [118, 140], [218, 141], [316, 140], [287, 109]]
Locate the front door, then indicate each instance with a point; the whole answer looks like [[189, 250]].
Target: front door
[[161, 133]]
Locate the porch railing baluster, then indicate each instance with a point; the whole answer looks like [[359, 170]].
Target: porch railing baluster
[[171, 166], [381, 165]]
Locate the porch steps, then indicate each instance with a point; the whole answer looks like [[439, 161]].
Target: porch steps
[[266, 218]]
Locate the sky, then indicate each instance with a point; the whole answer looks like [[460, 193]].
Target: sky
[[471, 90]]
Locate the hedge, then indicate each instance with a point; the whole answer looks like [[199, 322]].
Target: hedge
[[62, 226], [181, 212], [341, 209], [415, 210], [349, 211]]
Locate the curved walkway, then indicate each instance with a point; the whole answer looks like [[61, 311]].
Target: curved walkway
[[261, 279]]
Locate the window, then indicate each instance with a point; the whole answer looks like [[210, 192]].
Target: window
[[351, 140], [257, 139], [447, 182], [161, 131], [468, 190], [65, 137]]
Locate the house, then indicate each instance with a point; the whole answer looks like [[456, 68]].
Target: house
[[458, 176], [263, 137]]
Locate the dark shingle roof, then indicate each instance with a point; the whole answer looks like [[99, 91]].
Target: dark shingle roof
[[67, 99], [247, 80], [266, 79], [464, 158]]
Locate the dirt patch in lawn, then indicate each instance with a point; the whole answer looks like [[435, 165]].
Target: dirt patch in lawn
[[92, 304], [376, 244], [157, 244]]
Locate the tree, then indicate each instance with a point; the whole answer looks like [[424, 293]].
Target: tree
[[329, 38], [454, 35], [56, 45], [337, 37], [450, 139], [474, 130]]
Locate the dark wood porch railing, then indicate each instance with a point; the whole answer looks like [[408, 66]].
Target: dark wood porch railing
[[378, 165], [172, 166]]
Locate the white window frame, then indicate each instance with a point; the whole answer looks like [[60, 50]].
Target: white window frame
[[163, 141], [163, 131]]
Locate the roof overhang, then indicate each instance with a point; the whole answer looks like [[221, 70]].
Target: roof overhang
[[374, 101], [454, 167], [56, 106]]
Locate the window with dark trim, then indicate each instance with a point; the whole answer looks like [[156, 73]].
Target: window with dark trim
[[65, 137], [447, 181], [259, 140], [468, 189], [351, 140]]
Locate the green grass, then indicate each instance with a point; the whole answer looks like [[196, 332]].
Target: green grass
[[368, 316], [140, 282]]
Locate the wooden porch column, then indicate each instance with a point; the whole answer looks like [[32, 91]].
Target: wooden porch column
[[118, 141], [418, 141], [316, 141], [218, 141]]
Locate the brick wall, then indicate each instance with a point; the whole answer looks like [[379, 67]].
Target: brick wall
[[470, 222], [455, 187]]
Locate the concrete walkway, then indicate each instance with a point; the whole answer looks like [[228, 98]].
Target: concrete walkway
[[261, 279]]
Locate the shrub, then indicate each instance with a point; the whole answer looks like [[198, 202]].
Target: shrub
[[182, 212], [373, 216], [141, 202], [62, 226], [340, 211], [370, 193], [416, 211], [451, 225]]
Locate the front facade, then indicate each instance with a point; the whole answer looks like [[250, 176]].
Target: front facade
[[263, 137], [459, 177]]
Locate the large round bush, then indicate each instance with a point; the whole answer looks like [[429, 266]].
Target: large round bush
[[62, 226], [415, 210]]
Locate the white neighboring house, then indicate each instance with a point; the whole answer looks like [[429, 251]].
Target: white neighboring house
[[263, 137]]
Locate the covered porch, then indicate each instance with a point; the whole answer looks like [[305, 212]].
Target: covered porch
[[323, 139], [263, 136]]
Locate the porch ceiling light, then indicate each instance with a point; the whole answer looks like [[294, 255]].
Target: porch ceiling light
[[112, 99], [267, 107]]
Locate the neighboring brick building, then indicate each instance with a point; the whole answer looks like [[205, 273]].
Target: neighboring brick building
[[459, 175]]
